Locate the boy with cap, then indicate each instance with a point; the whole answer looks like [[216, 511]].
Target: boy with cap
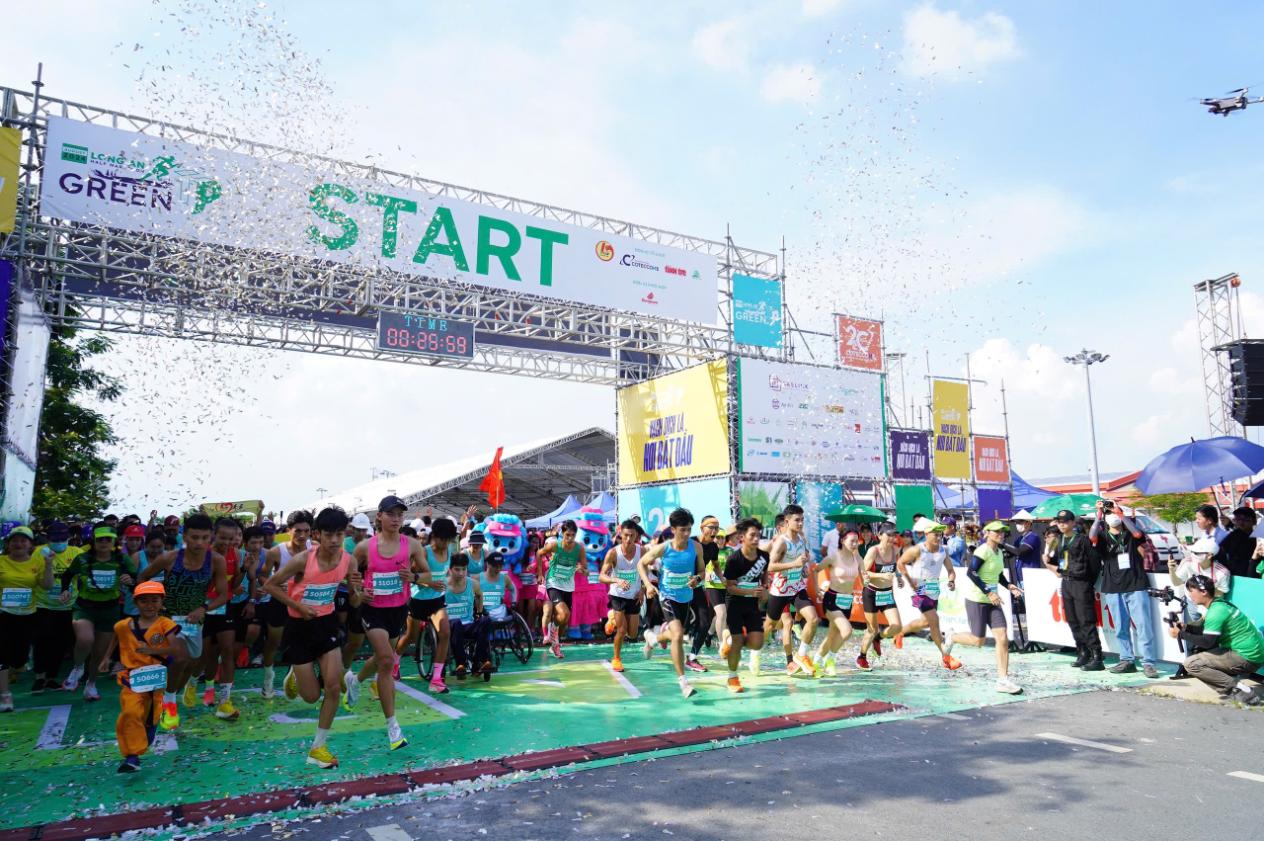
[[1076, 562], [145, 645]]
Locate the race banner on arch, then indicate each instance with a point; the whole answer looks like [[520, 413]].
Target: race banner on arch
[[859, 342], [97, 175], [757, 311], [991, 459], [950, 416], [675, 426]]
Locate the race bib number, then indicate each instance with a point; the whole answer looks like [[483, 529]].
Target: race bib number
[[319, 595], [187, 628], [461, 611], [16, 597], [627, 578], [675, 580], [104, 579], [594, 577], [387, 584], [147, 678], [498, 613], [844, 602], [1125, 560], [793, 576], [884, 598], [527, 579], [222, 610], [931, 588]]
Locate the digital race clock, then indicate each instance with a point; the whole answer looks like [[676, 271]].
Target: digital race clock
[[413, 333]]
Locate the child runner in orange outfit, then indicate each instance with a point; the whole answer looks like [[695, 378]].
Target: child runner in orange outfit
[[145, 647]]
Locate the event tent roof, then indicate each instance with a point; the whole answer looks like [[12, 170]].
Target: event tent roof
[[569, 506], [538, 476]]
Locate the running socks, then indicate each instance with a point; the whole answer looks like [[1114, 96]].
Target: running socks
[[322, 736], [225, 691]]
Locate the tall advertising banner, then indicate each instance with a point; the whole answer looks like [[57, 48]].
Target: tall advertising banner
[[800, 419], [859, 342], [817, 500], [656, 502], [991, 459], [756, 311], [31, 335], [950, 415], [674, 427], [137, 182], [910, 456], [10, 167], [763, 501]]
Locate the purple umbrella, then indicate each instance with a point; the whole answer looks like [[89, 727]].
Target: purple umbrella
[[1201, 464]]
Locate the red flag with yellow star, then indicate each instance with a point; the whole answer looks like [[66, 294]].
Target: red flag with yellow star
[[494, 482]]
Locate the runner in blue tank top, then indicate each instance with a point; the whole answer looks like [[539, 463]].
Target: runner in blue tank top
[[682, 571]]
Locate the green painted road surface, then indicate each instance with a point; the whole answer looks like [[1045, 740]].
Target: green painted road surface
[[58, 755]]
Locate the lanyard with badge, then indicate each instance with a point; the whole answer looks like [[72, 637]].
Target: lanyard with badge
[[1122, 556]]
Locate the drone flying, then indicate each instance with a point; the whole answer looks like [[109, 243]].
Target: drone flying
[[1235, 100]]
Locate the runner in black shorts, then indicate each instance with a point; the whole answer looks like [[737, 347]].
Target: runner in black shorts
[[744, 574], [299, 524], [879, 572], [219, 634], [702, 616]]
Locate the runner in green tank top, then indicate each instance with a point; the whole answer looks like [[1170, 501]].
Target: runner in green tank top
[[565, 556]]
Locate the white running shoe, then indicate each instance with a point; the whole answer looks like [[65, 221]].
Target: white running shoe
[[395, 735], [352, 683], [90, 692], [651, 640], [269, 678], [1008, 686], [687, 690], [72, 679]]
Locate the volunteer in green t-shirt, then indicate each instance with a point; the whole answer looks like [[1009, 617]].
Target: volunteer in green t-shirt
[[1229, 645], [99, 572]]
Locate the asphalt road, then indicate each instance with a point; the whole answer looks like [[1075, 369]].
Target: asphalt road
[[988, 774]]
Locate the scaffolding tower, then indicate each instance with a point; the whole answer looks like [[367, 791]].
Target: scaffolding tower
[[1219, 317]]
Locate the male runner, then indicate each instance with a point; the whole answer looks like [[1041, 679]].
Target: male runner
[[99, 573], [299, 525], [254, 555], [682, 571], [427, 604], [389, 563], [983, 606], [790, 564], [879, 572], [189, 575], [307, 585], [221, 628], [464, 602], [701, 606], [564, 558], [619, 570], [744, 573], [929, 558]]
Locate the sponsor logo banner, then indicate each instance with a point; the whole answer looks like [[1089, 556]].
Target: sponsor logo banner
[[229, 509], [950, 416], [655, 503], [801, 420], [102, 176], [910, 456], [763, 501], [10, 160], [817, 500], [859, 342], [756, 311], [991, 459], [674, 427]]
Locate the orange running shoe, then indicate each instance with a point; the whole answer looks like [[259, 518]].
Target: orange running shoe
[[951, 662], [735, 685], [610, 627], [617, 664], [899, 640]]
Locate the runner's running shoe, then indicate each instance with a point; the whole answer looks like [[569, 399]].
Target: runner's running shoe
[[610, 627], [899, 640], [395, 668], [694, 666], [438, 687], [617, 664], [226, 711], [72, 679], [395, 735], [290, 685], [130, 765], [170, 718], [555, 646], [830, 668], [268, 678], [352, 696], [373, 691], [651, 640], [322, 758], [1008, 686], [208, 696], [90, 692], [862, 663], [793, 668], [726, 646], [6, 702], [877, 645], [951, 663], [735, 685], [687, 690], [189, 697], [805, 661]]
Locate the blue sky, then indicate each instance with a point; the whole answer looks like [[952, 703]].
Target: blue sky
[[1013, 181]]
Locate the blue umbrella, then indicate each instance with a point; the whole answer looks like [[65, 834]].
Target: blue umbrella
[[1201, 464]]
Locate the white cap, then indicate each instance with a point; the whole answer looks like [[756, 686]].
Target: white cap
[[361, 521], [1205, 546], [924, 525]]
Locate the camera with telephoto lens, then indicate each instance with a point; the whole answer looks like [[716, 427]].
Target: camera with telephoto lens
[[1173, 618]]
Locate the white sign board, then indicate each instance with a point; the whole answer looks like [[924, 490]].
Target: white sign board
[[800, 419], [137, 182]]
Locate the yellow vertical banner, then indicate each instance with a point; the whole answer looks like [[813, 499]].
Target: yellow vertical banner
[[675, 426], [950, 414], [10, 159]]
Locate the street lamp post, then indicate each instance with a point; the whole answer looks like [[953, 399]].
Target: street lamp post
[[1086, 358]]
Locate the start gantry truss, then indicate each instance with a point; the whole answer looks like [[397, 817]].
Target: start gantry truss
[[120, 281]]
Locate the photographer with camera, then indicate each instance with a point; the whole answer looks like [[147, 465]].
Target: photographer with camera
[[1198, 561], [1073, 559], [1125, 587], [1226, 643]]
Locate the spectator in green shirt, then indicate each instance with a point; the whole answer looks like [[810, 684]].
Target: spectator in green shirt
[[1227, 642]]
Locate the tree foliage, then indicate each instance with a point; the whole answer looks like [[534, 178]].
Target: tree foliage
[[1172, 508], [72, 478]]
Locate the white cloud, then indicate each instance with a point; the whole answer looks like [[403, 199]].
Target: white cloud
[[724, 45], [816, 8], [796, 83], [942, 43]]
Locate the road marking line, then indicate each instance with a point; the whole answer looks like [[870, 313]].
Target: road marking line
[[432, 702], [621, 680], [1084, 743], [388, 832], [1247, 775], [286, 718], [54, 728], [954, 717], [545, 682]]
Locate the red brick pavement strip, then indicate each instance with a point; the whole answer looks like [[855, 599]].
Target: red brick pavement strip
[[104, 826]]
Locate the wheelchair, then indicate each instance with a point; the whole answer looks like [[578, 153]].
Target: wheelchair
[[511, 635]]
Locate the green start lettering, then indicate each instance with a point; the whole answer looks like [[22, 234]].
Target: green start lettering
[[319, 198], [391, 206], [441, 223], [503, 253]]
